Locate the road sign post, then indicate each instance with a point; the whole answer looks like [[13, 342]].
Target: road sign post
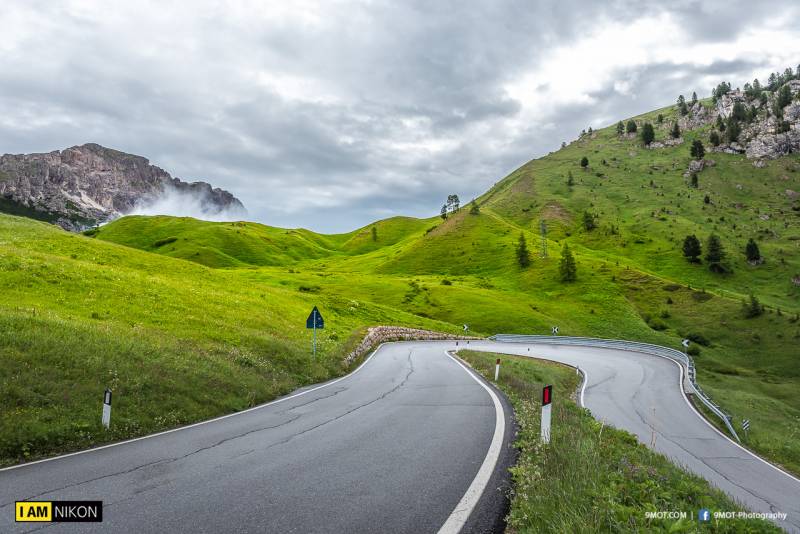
[[555, 330], [315, 321], [106, 419], [547, 399], [746, 427]]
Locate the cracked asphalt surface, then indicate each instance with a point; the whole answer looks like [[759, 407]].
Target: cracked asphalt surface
[[390, 448]]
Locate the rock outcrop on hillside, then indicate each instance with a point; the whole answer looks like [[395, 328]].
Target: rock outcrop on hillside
[[760, 139], [90, 184]]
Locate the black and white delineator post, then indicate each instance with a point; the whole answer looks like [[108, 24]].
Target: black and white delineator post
[[315, 321], [497, 370], [106, 420], [547, 399], [746, 427]]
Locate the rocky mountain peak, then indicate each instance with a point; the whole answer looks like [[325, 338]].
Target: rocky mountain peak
[[89, 184]]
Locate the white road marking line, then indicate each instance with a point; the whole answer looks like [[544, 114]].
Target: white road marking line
[[276, 401], [718, 431], [583, 386], [685, 398], [464, 508]]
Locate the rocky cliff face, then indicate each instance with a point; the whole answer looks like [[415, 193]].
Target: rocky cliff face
[[763, 137], [89, 184]]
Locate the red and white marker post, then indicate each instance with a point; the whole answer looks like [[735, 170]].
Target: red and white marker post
[[497, 370], [547, 399]]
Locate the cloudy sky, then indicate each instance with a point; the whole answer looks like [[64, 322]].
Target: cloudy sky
[[332, 114]]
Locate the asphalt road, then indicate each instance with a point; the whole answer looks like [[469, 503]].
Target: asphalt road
[[397, 446], [642, 394]]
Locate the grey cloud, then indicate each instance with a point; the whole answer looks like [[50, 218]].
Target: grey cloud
[[179, 84]]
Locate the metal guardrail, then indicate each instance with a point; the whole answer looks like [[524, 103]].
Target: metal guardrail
[[634, 346]]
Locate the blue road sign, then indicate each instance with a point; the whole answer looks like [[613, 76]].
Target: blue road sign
[[315, 319]]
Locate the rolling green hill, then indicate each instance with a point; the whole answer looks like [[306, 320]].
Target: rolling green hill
[[225, 329]]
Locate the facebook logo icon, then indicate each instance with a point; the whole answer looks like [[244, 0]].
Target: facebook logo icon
[[704, 515]]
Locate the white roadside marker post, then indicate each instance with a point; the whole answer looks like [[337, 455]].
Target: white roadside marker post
[[547, 399], [106, 420], [497, 370]]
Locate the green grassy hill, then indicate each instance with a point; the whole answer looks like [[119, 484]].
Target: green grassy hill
[[242, 244], [226, 328]]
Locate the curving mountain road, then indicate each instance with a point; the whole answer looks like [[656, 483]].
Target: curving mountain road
[[400, 445], [643, 394], [411, 442]]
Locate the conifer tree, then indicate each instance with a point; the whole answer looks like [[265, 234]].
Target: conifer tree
[[752, 252], [692, 248], [648, 134], [474, 209], [523, 254], [697, 150], [715, 254], [567, 268]]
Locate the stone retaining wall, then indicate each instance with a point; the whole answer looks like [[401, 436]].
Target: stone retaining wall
[[382, 334]]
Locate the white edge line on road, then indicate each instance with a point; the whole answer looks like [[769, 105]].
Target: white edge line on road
[[683, 393], [583, 386], [455, 522], [270, 403], [718, 431]]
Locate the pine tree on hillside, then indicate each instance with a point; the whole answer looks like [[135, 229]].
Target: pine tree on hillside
[[589, 221], [697, 150], [694, 98], [631, 126], [720, 123], [523, 254], [443, 212], [682, 105], [474, 209], [713, 138], [692, 248], [567, 268], [752, 252], [660, 118], [584, 162], [620, 128], [784, 97], [715, 254], [648, 134], [374, 233], [738, 112], [732, 130], [694, 180], [675, 133], [570, 179], [753, 307]]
